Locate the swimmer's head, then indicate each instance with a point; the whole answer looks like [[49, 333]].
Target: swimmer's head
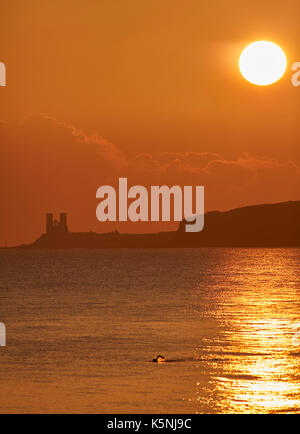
[[159, 359]]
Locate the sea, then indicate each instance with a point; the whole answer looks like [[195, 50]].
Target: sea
[[82, 328]]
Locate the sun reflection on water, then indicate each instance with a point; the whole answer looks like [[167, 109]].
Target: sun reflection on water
[[252, 355]]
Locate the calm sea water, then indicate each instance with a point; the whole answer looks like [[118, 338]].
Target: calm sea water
[[83, 327]]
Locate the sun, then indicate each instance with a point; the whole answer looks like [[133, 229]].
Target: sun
[[262, 63]]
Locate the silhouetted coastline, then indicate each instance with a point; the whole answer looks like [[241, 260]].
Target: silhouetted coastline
[[269, 225]]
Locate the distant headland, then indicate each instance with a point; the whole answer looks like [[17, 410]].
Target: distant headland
[[269, 225]]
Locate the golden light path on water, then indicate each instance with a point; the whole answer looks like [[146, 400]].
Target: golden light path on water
[[256, 362]]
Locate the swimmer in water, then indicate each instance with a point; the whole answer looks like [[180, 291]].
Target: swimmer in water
[[159, 359]]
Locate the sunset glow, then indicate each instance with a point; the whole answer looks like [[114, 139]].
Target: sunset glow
[[150, 210]]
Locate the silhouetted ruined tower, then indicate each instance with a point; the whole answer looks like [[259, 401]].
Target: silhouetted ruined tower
[[54, 226], [49, 223], [63, 222]]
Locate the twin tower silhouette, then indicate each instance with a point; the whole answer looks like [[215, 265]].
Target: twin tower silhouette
[[55, 226]]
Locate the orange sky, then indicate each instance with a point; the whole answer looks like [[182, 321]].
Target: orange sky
[[145, 89]]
